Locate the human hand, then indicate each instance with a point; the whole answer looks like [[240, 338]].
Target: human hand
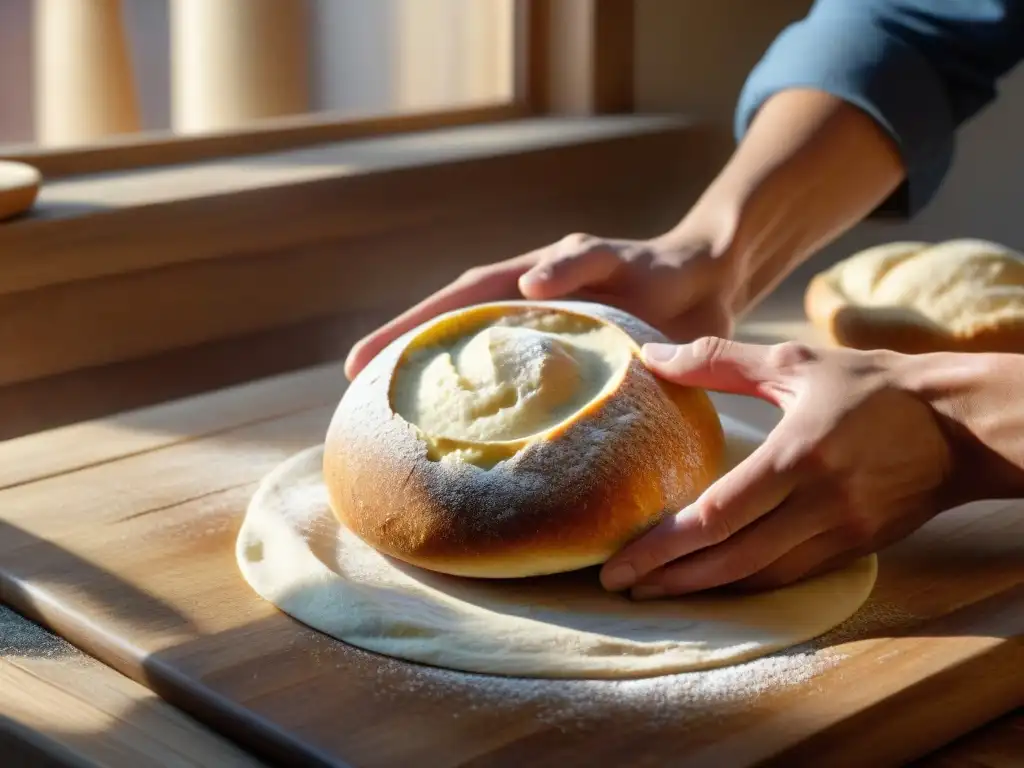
[[856, 462], [677, 283]]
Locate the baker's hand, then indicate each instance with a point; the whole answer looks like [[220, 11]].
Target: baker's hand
[[856, 462], [674, 282]]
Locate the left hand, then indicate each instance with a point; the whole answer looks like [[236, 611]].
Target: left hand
[[681, 283], [855, 463]]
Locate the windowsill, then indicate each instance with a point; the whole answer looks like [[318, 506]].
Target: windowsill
[[125, 265], [149, 217], [85, 195]]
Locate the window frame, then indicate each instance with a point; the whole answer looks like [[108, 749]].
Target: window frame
[[556, 71]]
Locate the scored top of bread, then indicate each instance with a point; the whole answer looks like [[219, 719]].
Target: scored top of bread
[[958, 295], [516, 439]]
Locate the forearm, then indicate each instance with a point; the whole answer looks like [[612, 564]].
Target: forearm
[[810, 167], [977, 400]]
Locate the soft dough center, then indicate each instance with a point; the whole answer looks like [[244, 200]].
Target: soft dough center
[[509, 379]]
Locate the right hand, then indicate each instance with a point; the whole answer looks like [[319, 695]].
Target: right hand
[[677, 284], [858, 461]]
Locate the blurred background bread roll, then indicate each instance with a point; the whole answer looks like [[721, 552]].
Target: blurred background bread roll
[[19, 187], [959, 295]]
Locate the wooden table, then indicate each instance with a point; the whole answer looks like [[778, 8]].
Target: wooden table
[[45, 685], [60, 707], [58, 703]]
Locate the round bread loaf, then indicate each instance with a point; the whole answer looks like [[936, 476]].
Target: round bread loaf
[[516, 439], [963, 295]]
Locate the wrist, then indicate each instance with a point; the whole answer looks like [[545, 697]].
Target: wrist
[[753, 230], [810, 167], [709, 231], [973, 397]]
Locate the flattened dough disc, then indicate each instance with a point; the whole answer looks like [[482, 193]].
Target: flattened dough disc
[[294, 554], [19, 186]]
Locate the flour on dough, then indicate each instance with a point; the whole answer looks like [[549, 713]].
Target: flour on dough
[[294, 554]]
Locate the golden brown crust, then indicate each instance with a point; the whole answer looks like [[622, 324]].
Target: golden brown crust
[[900, 329], [565, 502]]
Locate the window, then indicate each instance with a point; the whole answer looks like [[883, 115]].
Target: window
[[271, 73]]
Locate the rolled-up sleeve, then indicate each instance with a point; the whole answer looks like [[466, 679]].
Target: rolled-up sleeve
[[920, 68]]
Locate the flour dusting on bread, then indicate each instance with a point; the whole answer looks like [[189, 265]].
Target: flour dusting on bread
[[561, 499]]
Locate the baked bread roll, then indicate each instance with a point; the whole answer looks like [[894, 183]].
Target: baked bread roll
[[19, 186], [516, 439], [962, 295]]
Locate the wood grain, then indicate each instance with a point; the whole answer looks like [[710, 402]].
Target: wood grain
[[59, 707], [131, 558]]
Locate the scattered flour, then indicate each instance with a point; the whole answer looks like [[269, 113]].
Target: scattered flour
[[687, 699], [20, 637]]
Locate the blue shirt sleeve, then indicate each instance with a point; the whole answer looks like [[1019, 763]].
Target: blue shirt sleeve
[[920, 68]]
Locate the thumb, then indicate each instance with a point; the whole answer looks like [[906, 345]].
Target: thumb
[[570, 267], [712, 363]]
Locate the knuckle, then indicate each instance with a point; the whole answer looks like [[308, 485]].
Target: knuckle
[[789, 354], [825, 462], [814, 460], [651, 551], [791, 458], [714, 523], [850, 510], [576, 241], [654, 555], [473, 274], [709, 348], [859, 525]]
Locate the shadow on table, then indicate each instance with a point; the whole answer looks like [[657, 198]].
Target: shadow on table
[[23, 747], [283, 690], [48, 680]]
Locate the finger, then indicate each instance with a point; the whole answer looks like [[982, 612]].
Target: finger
[[713, 363], [835, 548], [568, 267], [746, 493], [825, 552], [491, 284], [785, 529]]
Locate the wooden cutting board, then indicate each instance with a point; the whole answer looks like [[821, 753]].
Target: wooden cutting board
[[118, 534]]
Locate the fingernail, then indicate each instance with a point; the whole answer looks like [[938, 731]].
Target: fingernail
[[620, 577], [660, 353], [648, 592]]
